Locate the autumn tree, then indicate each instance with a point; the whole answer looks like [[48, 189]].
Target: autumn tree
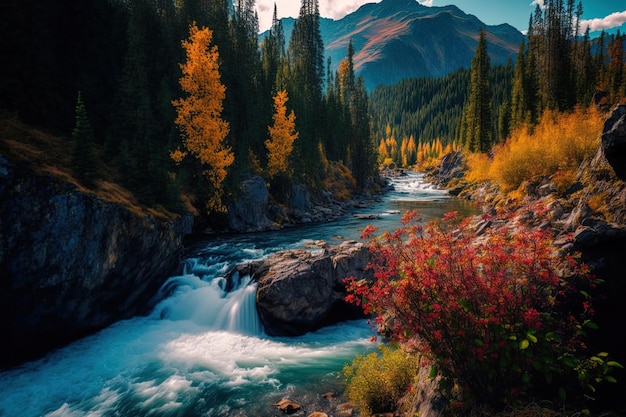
[[199, 113], [282, 135]]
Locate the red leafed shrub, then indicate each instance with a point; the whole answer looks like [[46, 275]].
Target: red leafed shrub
[[500, 313]]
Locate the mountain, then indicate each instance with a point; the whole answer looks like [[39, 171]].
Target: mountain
[[397, 39]]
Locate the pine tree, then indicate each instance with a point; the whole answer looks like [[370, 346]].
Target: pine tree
[[305, 84], [520, 103], [615, 52], [477, 123], [83, 156], [362, 154], [199, 113]]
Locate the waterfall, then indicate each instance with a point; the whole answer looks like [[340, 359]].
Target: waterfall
[[205, 302]]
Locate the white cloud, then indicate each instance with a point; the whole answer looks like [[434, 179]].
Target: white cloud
[[538, 2], [608, 22], [338, 9], [328, 8]]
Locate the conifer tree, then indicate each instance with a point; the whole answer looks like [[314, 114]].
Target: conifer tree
[[83, 156], [362, 154], [520, 102], [306, 59], [199, 113], [615, 69], [477, 123]]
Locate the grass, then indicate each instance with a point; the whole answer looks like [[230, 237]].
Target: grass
[[49, 155]]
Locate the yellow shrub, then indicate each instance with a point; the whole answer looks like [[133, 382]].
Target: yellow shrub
[[375, 383], [478, 167], [557, 144]]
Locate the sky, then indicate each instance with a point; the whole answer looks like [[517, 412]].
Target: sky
[[599, 14]]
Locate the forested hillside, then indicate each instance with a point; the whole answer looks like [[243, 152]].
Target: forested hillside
[[440, 113], [115, 68], [431, 108]]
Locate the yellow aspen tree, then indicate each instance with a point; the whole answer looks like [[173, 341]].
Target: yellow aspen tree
[[199, 114], [420, 153], [382, 151], [412, 151], [282, 135], [403, 152], [438, 148]]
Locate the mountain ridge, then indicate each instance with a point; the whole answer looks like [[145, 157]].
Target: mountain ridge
[[398, 39]]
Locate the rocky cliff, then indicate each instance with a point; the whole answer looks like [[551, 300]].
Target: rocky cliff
[[72, 263]]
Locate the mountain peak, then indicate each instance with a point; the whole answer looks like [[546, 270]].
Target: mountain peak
[[397, 39]]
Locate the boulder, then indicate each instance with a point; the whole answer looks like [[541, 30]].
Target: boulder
[[250, 211], [301, 290], [450, 168], [614, 140], [72, 263]]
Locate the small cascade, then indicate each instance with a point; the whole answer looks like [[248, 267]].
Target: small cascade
[[207, 303], [239, 313]]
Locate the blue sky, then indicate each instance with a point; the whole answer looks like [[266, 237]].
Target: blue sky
[[600, 14]]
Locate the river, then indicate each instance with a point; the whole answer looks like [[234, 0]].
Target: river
[[203, 352]]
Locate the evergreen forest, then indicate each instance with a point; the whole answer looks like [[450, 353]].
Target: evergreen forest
[[557, 68], [113, 77], [135, 81]]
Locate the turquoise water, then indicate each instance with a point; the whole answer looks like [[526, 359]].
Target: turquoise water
[[202, 351]]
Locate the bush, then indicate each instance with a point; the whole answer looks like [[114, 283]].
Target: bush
[[376, 382], [559, 143], [497, 313]]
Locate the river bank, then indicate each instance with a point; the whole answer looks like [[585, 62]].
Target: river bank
[[586, 216], [197, 352]]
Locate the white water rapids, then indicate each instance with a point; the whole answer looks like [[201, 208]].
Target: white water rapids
[[202, 351]]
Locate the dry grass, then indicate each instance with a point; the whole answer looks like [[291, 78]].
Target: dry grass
[[50, 154], [557, 145]]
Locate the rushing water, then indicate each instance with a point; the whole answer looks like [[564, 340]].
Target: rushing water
[[202, 351]]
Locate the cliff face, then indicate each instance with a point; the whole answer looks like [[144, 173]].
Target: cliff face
[[72, 263]]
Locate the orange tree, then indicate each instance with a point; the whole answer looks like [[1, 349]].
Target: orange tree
[[282, 135], [199, 113], [498, 313]]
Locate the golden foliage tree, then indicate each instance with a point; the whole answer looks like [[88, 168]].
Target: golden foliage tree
[[199, 113], [282, 136]]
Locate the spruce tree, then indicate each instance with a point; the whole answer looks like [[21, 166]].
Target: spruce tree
[[305, 84], [477, 122], [83, 156]]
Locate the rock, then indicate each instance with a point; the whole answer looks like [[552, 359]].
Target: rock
[[602, 246], [250, 211], [614, 140], [301, 291], [345, 409], [72, 263], [450, 168], [482, 227], [287, 406], [300, 198], [546, 189], [361, 216]]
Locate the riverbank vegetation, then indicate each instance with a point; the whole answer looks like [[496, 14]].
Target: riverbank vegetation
[[556, 145], [505, 317], [502, 318]]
